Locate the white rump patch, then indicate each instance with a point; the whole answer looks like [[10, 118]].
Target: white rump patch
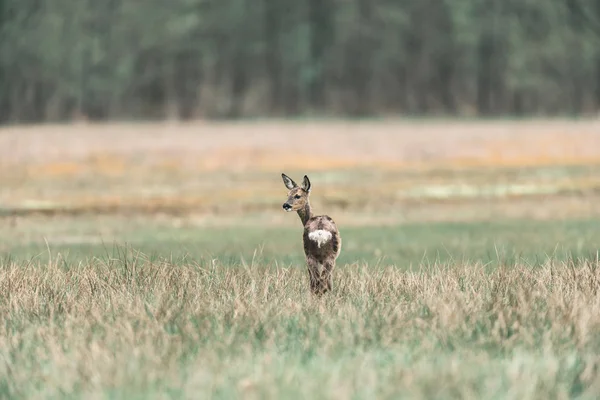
[[320, 236]]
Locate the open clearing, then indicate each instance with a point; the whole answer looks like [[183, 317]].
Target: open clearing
[[154, 261], [135, 328], [225, 168]]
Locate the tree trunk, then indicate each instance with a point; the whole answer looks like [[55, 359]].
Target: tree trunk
[[360, 60], [597, 90], [485, 52], [517, 105], [272, 53], [321, 26], [446, 59], [239, 83]]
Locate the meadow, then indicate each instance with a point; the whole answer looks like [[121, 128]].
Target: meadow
[[155, 261]]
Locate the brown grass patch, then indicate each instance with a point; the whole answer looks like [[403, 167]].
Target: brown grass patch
[[206, 167], [157, 328], [298, 145]]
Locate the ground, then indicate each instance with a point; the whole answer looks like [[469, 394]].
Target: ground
[[155, 261]]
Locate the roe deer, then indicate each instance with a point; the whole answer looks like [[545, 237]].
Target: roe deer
[[322, 240]]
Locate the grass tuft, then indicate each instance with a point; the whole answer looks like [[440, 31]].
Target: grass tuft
[[131, 325]]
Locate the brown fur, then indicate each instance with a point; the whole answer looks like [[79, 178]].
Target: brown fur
[[319, 260]]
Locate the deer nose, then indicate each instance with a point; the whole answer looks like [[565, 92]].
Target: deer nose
[[286, 206]]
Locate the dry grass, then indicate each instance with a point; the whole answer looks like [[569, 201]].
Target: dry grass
[[133, 327], [130, 326], [269, 145], [224, 168]]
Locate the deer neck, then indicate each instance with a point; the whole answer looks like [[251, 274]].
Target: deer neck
[[305, 213]]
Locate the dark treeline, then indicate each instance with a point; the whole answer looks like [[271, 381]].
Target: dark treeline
[[125, 59]]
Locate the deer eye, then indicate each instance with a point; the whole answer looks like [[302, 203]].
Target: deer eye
[[297, 196]]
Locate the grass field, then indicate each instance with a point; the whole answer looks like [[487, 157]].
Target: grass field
[[154, 261]]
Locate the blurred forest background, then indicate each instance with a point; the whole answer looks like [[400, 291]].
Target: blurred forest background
[[470, 255], [182, 59]]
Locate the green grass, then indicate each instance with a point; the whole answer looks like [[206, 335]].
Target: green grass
[[403, 246], [135, 328], [101, 306], [497, 310]]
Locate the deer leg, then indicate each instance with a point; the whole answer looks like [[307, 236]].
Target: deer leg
[[326, 276], [319, 277], [313, 274]]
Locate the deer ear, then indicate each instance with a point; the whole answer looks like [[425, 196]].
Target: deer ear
[[306, 184], [288, 182]]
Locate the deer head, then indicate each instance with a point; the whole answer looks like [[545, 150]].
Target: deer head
[[297, 196]]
